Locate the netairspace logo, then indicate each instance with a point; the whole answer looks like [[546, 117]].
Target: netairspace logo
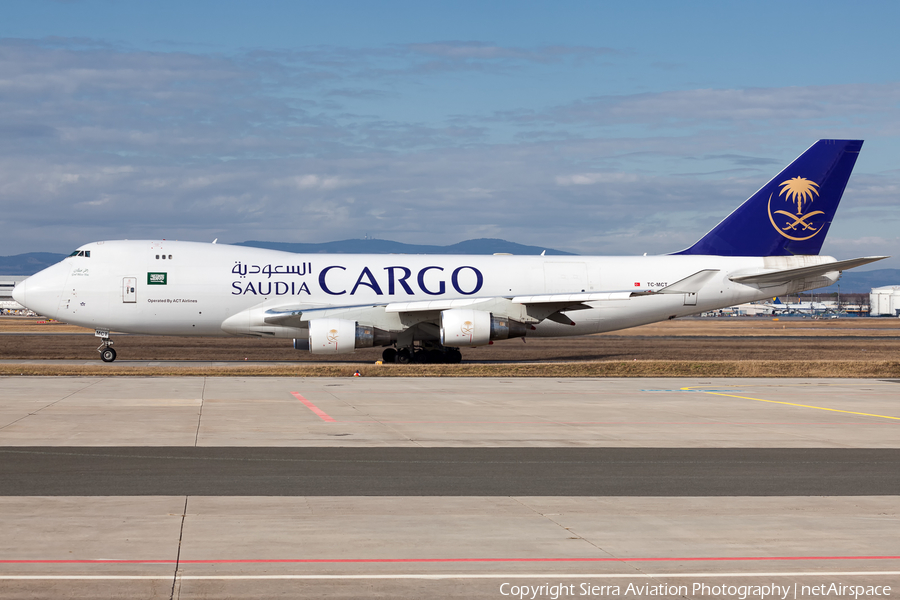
[[740, 592]]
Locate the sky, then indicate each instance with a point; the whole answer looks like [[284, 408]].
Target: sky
[[592, 127]]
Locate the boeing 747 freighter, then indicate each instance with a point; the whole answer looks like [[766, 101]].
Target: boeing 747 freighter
[[423, 308]]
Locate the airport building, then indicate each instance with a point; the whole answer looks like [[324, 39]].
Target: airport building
[[885, 301], [7, 304]]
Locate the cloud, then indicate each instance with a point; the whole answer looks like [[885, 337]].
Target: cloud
[[595, 178], [472, 51], [358, 93], [744, 161], [316, 182], [99, 141], [774, 108]]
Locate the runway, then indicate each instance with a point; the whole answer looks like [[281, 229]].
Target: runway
[[215, 487], [153, 471]]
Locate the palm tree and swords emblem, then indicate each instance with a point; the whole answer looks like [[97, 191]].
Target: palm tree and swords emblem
[[801, 191]]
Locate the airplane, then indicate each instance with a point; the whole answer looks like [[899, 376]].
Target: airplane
[[10, 307], [424, 308], [799, 308]]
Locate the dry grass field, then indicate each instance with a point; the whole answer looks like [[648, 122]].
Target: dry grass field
[[726, 347]]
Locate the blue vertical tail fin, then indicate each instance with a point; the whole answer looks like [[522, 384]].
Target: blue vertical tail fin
[[791, 214]]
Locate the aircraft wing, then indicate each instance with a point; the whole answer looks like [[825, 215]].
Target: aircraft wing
[[300, 315], [525, 309], [788, 275]]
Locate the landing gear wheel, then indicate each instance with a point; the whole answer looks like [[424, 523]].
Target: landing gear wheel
[[404, 356], [389, 355], [107, 355], [454, 356]]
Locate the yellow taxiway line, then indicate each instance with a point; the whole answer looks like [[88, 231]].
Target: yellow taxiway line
[[849, 412]]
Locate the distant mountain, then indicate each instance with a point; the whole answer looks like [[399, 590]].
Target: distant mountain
[[28, 264], [862, 281], [481, 246]]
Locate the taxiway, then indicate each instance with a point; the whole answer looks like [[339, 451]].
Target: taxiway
[[246, 487]]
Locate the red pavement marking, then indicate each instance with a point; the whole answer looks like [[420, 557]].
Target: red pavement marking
[[322, 414], [546, 422], [439, 560]]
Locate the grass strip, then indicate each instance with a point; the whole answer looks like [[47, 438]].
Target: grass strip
[[649, 368]]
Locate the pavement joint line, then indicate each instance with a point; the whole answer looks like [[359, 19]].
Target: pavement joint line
[[178, 553], [513, 576], [200, 411], [563, 527], [67, 396], [849, 412]]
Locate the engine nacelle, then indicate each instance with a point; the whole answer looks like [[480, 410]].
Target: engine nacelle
[[332, 336], [460, 327], [340, 336]]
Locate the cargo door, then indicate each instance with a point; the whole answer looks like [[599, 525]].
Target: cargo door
[[129, 289], [565, 277]]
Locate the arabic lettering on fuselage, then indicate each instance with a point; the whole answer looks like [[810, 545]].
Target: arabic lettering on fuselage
[[337, 280], [269, 270]]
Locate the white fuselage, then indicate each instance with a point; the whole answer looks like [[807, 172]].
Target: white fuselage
[[190, 288]]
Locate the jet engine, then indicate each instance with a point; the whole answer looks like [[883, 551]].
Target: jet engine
[[461, 327], [340, 336]]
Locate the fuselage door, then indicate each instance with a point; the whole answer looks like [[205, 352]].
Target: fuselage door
[[565, 277], [129, 289]]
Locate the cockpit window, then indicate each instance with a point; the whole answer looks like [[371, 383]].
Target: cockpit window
[[84, 253]]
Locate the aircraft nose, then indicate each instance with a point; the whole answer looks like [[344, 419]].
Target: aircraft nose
[[42, 291]]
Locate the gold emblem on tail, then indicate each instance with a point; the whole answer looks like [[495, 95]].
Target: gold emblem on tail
[[800, 191]]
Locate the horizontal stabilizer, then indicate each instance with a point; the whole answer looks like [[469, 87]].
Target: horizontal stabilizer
[[787, 275]]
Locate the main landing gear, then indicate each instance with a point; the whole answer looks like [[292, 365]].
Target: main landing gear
[[422, 355], [107, 354]]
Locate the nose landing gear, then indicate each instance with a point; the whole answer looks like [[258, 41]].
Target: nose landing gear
[[107, 354]]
